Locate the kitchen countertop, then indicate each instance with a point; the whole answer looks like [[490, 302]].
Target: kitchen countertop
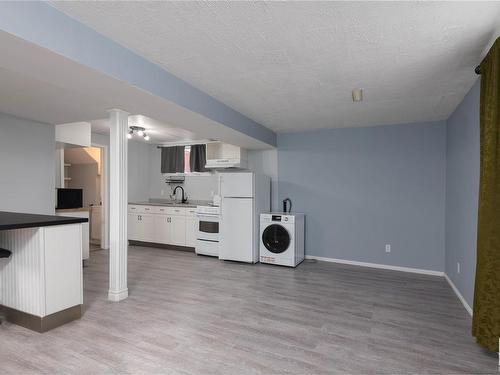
[[167, 203], [16, 220]]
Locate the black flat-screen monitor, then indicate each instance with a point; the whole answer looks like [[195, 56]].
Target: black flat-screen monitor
[[69, 198]]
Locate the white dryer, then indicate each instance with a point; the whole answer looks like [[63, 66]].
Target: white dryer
[[282, 238]]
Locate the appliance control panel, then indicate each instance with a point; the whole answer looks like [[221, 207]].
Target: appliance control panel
[[207, 210], [278, 218]]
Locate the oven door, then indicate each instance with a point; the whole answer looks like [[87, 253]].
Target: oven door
[[208, 228]]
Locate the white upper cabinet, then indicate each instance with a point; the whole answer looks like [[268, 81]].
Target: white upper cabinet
[[224, 155]]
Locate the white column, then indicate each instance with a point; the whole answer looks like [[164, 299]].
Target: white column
[[118, 120]]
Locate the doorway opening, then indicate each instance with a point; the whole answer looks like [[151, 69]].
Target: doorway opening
[[85, 169]]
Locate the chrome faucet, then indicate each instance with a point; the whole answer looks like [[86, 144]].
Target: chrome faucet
[[184, 198]]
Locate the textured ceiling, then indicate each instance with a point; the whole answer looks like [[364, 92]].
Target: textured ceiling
[[292, 65]]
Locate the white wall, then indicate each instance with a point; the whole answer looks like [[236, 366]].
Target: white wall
[[138, 171], [266, 162], [202, 187], [85, 176], [196, 187], [27, 165], [138, 167], [146, 181]]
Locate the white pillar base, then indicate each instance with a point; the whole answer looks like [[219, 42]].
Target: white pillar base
[[117, 296]]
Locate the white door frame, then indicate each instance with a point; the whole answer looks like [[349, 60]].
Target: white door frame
[[104, 194]]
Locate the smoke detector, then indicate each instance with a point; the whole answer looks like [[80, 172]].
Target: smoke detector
[[357, 95]]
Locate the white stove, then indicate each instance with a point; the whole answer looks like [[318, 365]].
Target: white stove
[[207, 236]]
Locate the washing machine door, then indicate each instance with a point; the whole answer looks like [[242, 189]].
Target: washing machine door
[[276, 238]]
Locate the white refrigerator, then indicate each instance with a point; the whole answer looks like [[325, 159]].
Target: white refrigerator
[[244, 195]]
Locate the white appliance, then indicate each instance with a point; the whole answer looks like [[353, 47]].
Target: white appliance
[[224, 155], [244, 195], [282, 238], [207, 235]]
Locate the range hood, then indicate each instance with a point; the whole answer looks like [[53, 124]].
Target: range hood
[[223, 155]]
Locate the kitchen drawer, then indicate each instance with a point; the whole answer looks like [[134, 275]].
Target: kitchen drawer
[[135, 208], [140, 209], [161, 210], [191, 211], [179, 211]]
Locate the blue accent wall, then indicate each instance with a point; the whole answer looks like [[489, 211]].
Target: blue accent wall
[[362, 188], [462, 192], [44, 25]]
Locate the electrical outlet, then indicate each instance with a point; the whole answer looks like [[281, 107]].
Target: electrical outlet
[[388, 248], [162, 192], [458, 267]]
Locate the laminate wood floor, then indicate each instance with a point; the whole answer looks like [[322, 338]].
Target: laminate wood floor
[[198, 315]]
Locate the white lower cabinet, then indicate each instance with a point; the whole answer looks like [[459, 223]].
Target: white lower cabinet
[[165, 225], [132, 226], [170, 230], [85, 229], [163, 229], [178, 225], [141, 227]]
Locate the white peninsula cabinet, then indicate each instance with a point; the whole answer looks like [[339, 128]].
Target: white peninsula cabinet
[[163, 225], [41, 283]]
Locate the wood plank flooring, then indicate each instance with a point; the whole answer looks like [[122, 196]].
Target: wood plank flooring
[[198, 315]]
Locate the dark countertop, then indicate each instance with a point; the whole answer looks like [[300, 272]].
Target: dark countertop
[[16, 220], [81, 209]]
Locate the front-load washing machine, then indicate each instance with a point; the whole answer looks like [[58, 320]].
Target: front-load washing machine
[[282, 238]]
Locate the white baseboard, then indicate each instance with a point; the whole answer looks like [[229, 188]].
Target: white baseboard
[[398, 268], [377, 265], [459, 295], [117, 296]]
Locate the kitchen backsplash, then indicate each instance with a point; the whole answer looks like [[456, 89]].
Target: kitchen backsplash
[[196, 187]]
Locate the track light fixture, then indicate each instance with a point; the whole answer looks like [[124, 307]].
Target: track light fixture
[[138, 130]]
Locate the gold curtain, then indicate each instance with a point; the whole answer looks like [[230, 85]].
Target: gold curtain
[[486, 316]]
